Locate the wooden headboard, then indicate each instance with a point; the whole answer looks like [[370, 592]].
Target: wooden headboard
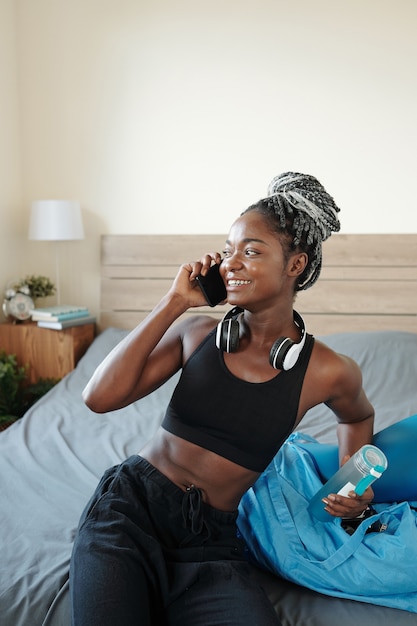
[[368, 282]]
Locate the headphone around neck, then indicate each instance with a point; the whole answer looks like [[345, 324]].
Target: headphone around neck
[[284, 352]]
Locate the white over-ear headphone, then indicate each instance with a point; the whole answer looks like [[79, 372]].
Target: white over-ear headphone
[[284, 352]]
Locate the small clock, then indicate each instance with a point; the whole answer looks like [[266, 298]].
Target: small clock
[[18, 304]]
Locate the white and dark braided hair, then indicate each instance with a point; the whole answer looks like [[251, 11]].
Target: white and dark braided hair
[[299, 206]]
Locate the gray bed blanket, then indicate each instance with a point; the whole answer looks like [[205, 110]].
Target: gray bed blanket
[[52, 459]]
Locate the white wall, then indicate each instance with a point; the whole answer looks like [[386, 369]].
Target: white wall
[[170, 116]]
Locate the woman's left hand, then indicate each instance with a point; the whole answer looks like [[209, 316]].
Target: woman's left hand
[[348, 506]]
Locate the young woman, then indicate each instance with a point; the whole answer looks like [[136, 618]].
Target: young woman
[[158, 541]]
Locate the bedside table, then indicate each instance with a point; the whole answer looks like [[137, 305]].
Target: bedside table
[[48, 353]]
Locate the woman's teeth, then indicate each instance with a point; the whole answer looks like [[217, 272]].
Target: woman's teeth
[[235, 283]]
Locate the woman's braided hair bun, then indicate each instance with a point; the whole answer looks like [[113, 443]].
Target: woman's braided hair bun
[[308, 213]]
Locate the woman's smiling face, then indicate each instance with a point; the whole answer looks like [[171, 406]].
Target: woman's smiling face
[[255, 269]]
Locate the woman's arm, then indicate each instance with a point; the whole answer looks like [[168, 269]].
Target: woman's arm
[[153, 351], [354, 412], [355, 415]]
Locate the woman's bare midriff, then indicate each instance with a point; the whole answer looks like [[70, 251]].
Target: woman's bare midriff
[[186, 464]]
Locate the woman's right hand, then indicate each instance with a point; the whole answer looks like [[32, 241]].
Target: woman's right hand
[[185, 285]]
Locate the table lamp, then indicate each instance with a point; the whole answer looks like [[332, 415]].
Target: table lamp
[[56, 220]]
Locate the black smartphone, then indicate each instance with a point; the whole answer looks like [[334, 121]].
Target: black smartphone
[[212, 286]]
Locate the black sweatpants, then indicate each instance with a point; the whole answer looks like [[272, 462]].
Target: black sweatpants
[[148, 553]]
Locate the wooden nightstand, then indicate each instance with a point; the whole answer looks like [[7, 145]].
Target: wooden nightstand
[[48, 353]]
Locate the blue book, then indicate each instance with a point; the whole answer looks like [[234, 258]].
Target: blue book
[[60, 318], [58, 313], [75, 321]]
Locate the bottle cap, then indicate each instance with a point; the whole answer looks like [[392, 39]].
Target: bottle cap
[[370, 458]]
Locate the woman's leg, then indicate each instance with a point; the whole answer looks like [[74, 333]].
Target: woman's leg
[[218, 593], [108, 587], [116, 562], [212, 582]]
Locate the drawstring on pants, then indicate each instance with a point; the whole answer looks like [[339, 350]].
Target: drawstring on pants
[[192, 513]]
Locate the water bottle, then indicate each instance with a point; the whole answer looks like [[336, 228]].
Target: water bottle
[[360, 471]]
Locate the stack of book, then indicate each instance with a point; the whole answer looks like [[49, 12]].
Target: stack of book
[[62, 316]]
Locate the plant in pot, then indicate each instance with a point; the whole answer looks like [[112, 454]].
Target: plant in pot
[[16, 395], [39, 286]]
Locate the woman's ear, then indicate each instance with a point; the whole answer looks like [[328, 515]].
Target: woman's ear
[[297, 264]]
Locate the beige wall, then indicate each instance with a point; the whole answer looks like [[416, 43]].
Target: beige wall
[[171, 116], [11, 205]]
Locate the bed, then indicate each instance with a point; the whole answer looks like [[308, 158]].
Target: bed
[[364, 305]]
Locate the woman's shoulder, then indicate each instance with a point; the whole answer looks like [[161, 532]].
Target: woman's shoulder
[[329, 374], [333, 366], [194, 329]]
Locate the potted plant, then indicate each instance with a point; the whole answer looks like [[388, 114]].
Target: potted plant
[[39, 286], [16, 396], [11, 378]]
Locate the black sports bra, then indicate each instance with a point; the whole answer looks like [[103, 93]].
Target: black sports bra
[[244, 422]]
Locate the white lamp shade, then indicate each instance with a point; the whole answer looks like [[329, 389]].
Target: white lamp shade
[[55, 220]]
